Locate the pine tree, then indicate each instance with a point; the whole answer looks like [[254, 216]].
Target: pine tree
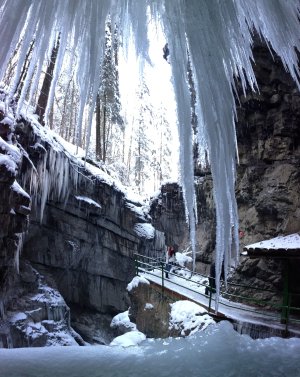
[[109, 123], [143, 149]]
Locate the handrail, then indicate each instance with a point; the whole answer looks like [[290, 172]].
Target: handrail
[[209, 277], [149, 263]]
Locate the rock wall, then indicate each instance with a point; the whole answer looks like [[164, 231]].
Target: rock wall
[[84, 238], [268, 133], [168, 215], [81, 241], [268, 178]]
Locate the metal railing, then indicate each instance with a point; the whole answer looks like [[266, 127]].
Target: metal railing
[[282, 313]]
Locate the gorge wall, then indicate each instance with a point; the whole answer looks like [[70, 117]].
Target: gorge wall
[[78, 251], [268, 177]]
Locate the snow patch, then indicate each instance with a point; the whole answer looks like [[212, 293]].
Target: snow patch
[[88, 200], [148, 306], [136, 281], [11, 150], [9, 163], [291, 241], [18, 189], [188, 317], [9, 120], [144, 230], [18, 317], [130, 339], [122, 319], [183, 259], [139, 210]]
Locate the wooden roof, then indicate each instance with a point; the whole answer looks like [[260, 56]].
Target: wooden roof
[[278, 247]]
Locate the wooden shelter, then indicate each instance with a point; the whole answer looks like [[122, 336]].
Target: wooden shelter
[[286, 248], [279, 247]]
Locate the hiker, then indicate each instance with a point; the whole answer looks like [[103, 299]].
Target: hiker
[[212, 278], [170, 259]]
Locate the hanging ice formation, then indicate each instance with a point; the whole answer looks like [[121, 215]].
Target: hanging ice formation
[[218, 35]]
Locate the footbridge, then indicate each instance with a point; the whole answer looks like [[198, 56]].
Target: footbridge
[[249, 313]]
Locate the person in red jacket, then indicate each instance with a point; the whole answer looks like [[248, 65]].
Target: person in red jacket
[[170, 259]]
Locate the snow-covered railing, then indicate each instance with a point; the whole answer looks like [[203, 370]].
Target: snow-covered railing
[[204, 286]]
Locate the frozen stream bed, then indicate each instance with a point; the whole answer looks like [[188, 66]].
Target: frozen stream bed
[[217, 352]]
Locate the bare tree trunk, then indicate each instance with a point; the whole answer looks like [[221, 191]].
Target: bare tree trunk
[[104, 132], [98, 128], [24, 70], [72, 110], [44, 94], [51, 117]]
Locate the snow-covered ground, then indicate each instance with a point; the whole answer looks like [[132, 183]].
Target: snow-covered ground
[[218, 351]]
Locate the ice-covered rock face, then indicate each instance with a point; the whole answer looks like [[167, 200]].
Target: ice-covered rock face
[[83, 232], [40, 317], [14, 206]]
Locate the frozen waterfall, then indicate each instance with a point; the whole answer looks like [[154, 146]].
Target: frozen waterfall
[[218, 36]]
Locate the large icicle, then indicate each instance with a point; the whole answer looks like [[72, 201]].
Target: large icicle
[[177, 42]]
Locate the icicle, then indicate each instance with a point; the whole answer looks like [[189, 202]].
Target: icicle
[[13, 17], [18, 251], [177, 42], [2, 311]]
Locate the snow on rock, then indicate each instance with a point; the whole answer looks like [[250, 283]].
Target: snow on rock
[[188, 317], [18, 317], [122, 320], [48, 295], [144, 230], [291, 241], [129, 339], [10, 150], [139, 210], [88, 200], [62, 166], [18, 189], [136, 281], [148, 306], [183, 259], [9, 120], [9, 164]]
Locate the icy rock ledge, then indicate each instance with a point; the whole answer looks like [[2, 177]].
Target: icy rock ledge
[[40, 318], [187, 318]]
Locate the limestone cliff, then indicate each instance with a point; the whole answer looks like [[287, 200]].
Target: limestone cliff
[[80, 243]]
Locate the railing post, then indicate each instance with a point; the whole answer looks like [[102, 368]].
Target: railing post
[[162, 277], [136, 264], [210, 297], [285, 303]]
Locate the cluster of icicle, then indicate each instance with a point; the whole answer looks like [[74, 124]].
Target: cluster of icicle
[[53, 177], [218, 36]]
